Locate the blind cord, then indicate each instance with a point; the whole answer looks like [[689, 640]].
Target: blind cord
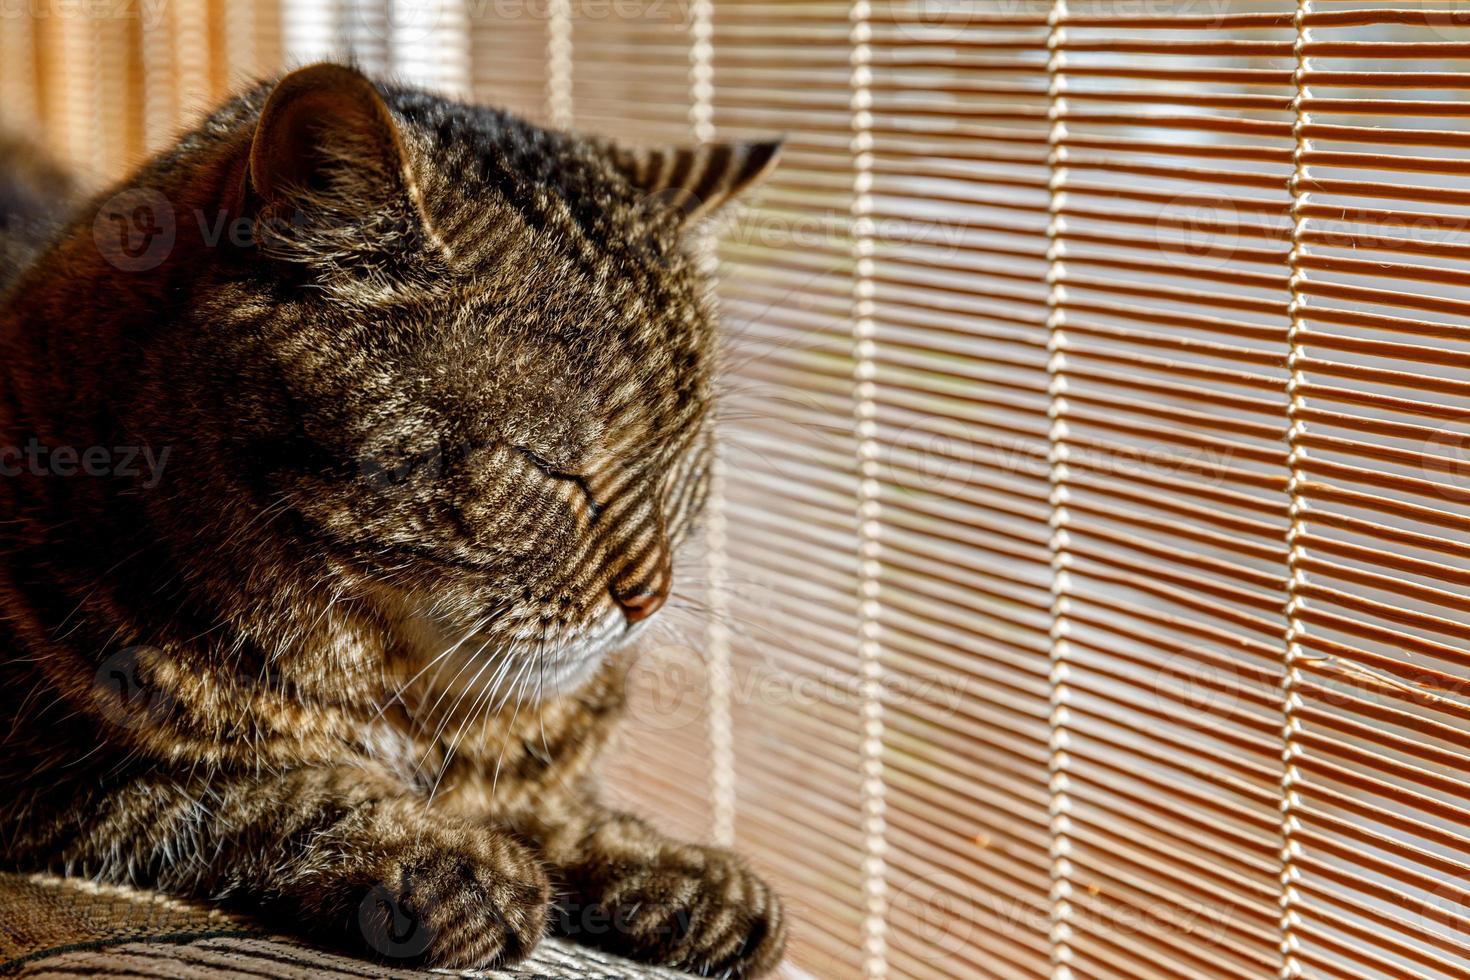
[[1060, 804], [1291, 674], [559, 63], [869, 507], [718, 654]]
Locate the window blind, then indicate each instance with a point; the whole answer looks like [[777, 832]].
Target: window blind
[[1083, 593], [1171, 161], [792, 481], [1376, 660]]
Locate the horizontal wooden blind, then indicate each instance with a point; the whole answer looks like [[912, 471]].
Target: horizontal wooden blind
[[792, 480], [1084, 592], [1171, 157], [957, 213], [1379, 330]]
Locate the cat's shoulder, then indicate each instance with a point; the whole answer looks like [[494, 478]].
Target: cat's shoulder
[[36, 194]]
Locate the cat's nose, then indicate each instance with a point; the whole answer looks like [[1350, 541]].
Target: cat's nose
[[643, 587], [638, 606]]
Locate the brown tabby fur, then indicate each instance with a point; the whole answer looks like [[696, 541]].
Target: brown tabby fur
[[452, 384]]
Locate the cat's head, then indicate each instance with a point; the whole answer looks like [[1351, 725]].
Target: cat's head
[[475, 361]]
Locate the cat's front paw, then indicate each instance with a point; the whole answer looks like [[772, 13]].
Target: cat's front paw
[[696, 908], [482, 904]]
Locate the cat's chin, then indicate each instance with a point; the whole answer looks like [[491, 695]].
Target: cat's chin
[[485, 671], [578, 658]]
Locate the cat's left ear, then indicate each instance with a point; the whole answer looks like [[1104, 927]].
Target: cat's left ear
[[697, 181], [326, 140]]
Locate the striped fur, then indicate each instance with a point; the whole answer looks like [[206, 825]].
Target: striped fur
[[696, 181], [433, 431]]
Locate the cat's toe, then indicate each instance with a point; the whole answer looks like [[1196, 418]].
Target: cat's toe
[[695, 908], [459, 911], [747, 937]]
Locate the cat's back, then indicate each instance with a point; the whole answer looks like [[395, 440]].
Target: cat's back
[[35, 196]]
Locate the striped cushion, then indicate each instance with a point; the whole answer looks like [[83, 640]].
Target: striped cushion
[[63, 927]]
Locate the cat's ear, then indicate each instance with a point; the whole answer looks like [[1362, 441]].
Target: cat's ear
[[697, 181], [325, 138]]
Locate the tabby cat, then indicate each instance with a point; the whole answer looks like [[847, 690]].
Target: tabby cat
[[344, 446]]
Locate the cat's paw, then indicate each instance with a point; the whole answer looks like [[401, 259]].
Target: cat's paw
[[696, 908], [483, 903]]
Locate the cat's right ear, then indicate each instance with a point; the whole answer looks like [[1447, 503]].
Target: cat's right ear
[[693, 182], [325, 142]]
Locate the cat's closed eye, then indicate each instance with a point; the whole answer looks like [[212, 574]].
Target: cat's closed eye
[[594, 506]]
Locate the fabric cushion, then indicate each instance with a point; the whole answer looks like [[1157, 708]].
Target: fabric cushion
[[65, 927]]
